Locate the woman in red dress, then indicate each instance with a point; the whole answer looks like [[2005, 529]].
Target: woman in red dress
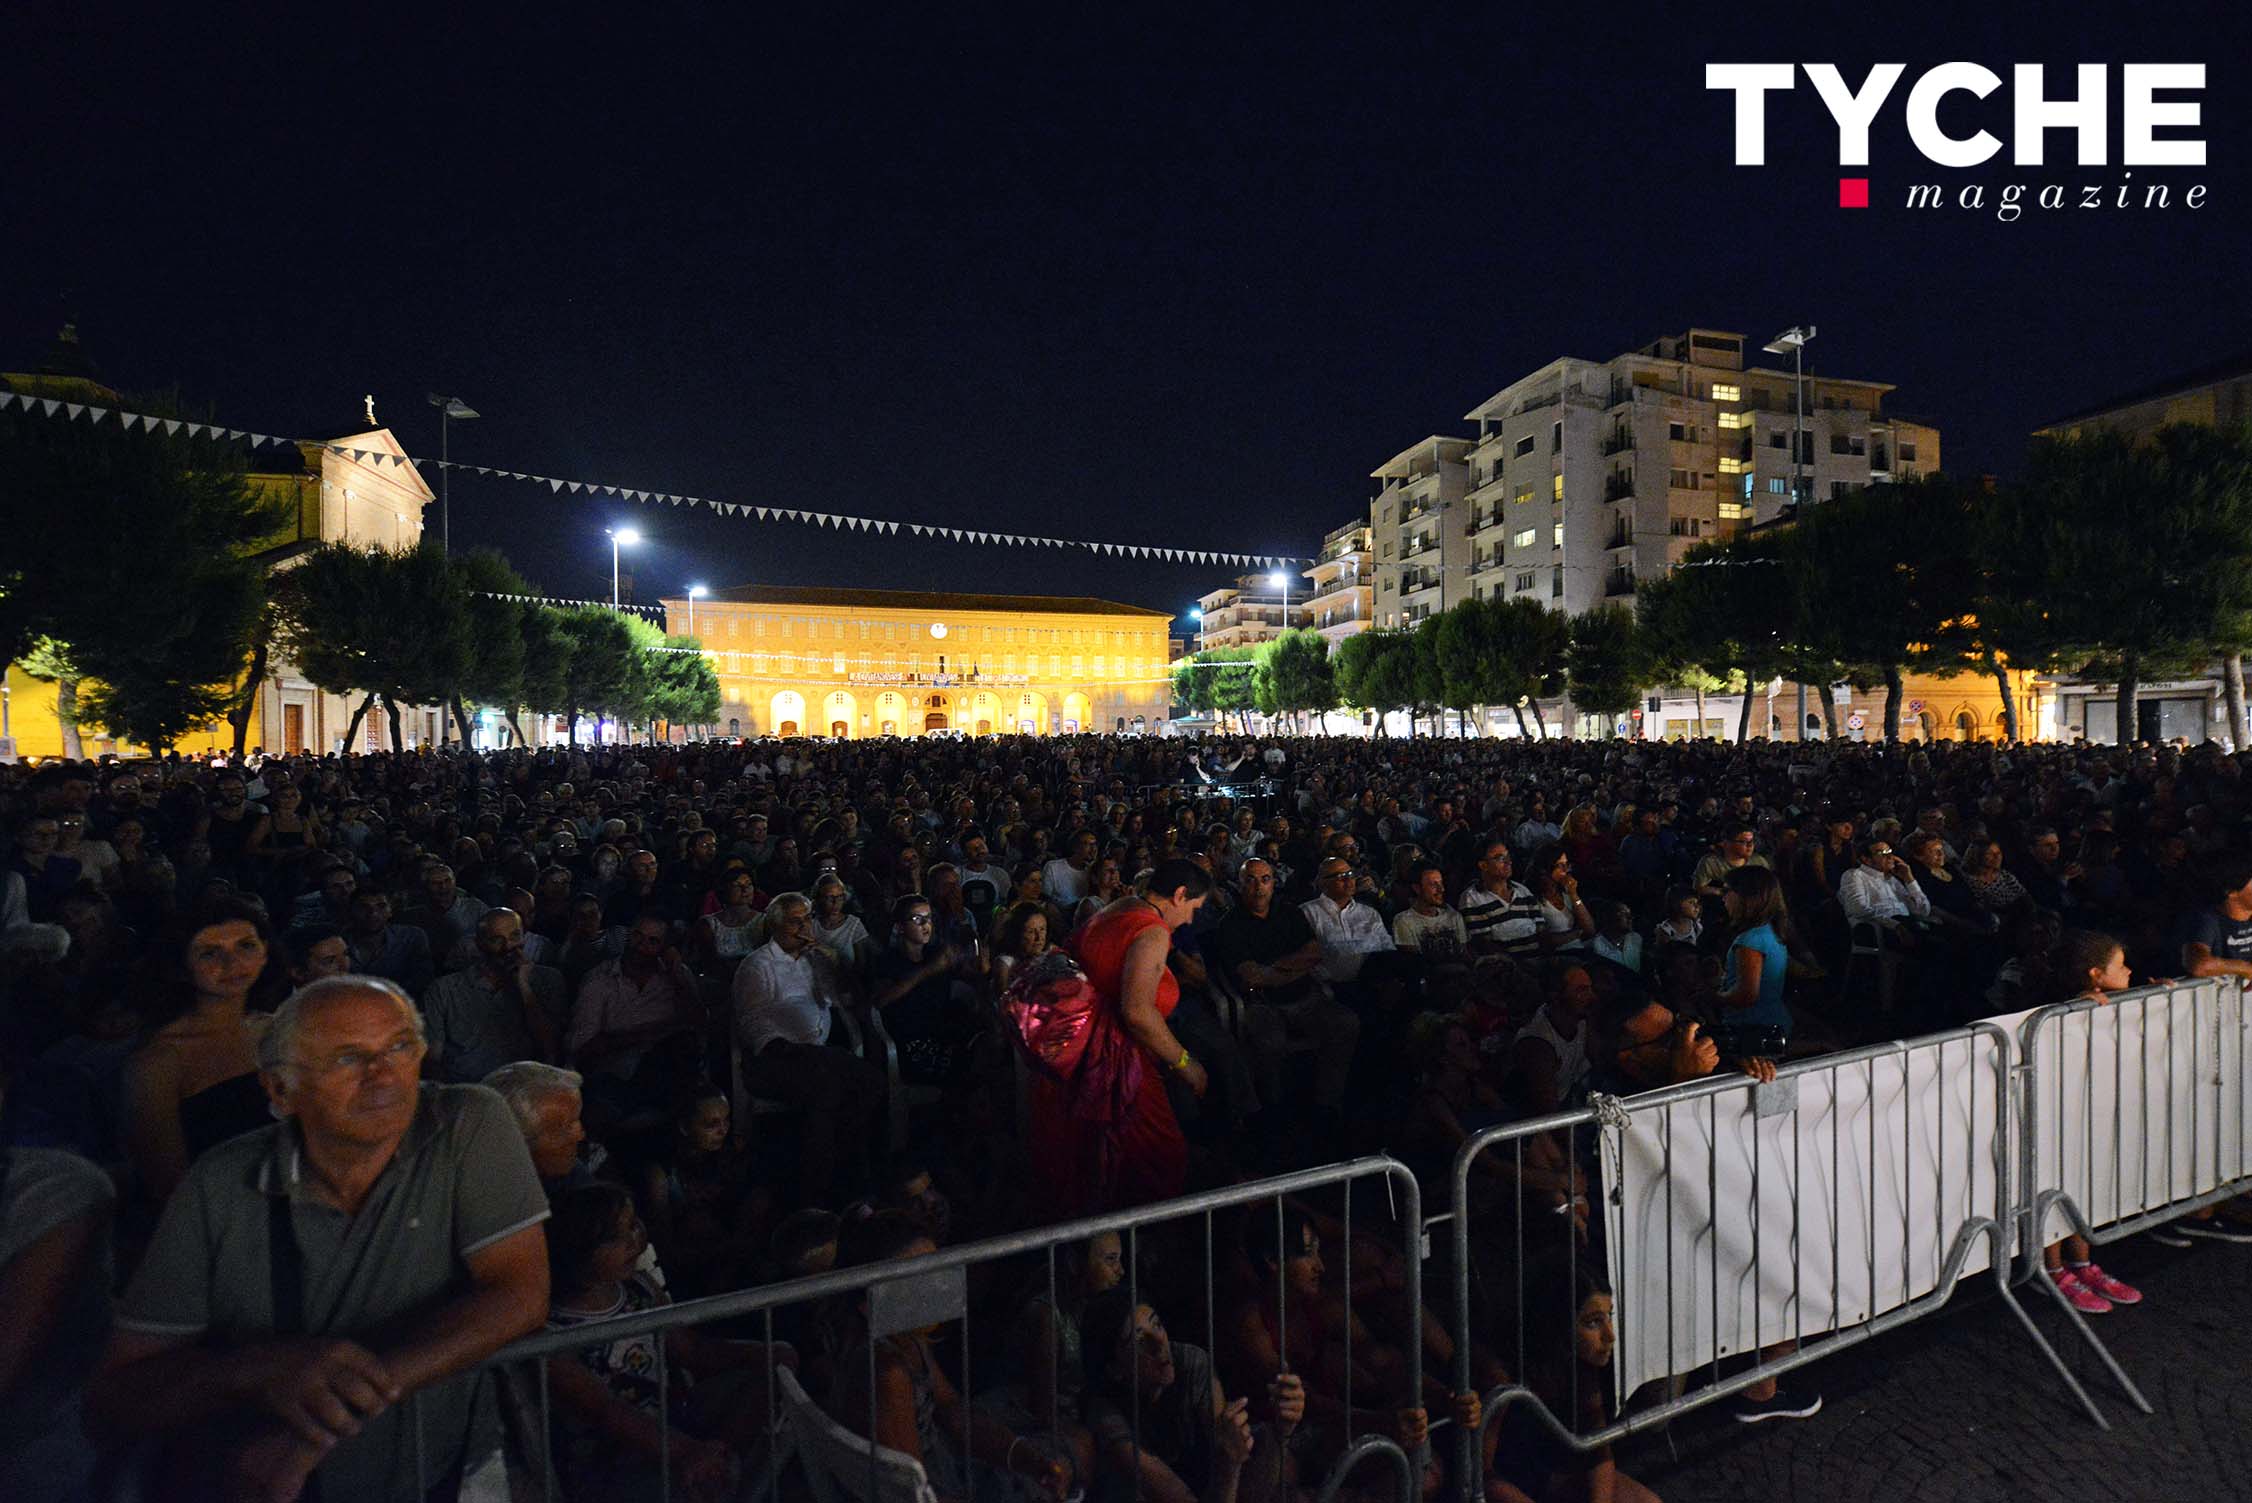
[[1103, 1134]]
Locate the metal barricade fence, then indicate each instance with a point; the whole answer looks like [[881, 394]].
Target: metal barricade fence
[[2097, 1075], [921, 1293], [1885, 1173], [2171, 1059]]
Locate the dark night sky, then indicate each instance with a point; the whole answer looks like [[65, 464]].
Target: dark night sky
[[1160, 277]]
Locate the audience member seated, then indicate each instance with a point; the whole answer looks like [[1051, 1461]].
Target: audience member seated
[[193, 1083], [502, 1008], [785, 997], [609, 1432]]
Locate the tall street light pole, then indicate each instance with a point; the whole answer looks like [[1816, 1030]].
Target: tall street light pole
[[1795, 339], [694, 591], [450, 411], [449, 408], [624, 537]]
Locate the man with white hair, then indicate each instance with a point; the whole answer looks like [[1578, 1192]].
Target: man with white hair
[[785, 1002], [546, 1101], [306, 1279]]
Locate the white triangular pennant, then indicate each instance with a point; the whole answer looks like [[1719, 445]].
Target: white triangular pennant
[[234, 433], [555, 485], [574, 486], [171, 426], [50, 403], [7, 400], [74, 408]]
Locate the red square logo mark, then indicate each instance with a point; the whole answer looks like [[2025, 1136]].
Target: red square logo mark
[[1853, 193]]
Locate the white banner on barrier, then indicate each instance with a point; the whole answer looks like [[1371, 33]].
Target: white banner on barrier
[[2139, 1104], [1777, 1220]]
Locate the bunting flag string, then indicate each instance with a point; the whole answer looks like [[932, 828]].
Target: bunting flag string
[[69, 411], [653, 612]]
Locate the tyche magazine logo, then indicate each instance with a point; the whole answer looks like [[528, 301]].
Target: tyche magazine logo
[[1953, 116]]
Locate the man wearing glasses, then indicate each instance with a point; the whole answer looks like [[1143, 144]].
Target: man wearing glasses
[[1734, 849], [1883, 890], [317, 1288], [1349, 930]]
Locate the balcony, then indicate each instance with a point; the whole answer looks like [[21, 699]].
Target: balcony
[[1618, 487], [1417, 547], [1485, 565], [1480, 521], [1620, 583], [1619, 441], [1622, 538]]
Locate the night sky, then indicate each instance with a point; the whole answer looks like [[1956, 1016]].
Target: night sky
[[1157, 277]]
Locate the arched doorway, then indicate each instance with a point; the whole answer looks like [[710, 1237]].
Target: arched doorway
[[936, 712], [734, 726], [981, 712], [1077, 714], [891, 712], [1031, 718], [840, 712], [787, 714], [1927, 725], [1966, 724]]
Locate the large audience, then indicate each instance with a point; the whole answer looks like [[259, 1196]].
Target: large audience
[[711, 1017]]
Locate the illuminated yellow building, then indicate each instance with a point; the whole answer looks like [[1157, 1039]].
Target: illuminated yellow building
[[854, 663]]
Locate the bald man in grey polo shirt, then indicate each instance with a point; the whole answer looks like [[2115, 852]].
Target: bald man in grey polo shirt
[[316, 1286]]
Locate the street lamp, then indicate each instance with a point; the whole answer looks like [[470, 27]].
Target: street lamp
[[1281, 581], [450, 411], [1794, 340], [620, 537], [695, 592]]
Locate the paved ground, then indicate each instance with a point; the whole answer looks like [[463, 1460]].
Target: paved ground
[[1961, 1406]]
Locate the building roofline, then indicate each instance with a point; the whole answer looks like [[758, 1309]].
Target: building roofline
[[928, 600], [1417, 450], [2210, 375]]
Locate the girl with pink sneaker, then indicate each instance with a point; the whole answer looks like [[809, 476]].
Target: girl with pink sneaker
[[2090, 965]]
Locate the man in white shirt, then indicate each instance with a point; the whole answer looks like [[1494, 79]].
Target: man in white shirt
[[1349, 931], [1065, 879], [1882, 890], [785, 998]]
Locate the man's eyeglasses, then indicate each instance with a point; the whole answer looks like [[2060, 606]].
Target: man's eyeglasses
[[344, 1062]]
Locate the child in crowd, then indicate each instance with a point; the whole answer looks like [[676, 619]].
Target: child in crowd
[[705, 1202], [609, 1430], [1615, 939], [1684, 923], [1570, 1372], [2094, 966]]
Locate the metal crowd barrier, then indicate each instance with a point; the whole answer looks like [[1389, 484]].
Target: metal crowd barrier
[[1931, 1190], [922, 1292], [1948, 1180], [2110, 1177], [2112, 1174]]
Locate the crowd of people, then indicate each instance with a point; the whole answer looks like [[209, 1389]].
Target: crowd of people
[[559, 1035]]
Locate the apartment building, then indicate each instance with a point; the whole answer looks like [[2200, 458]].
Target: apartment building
[[1422, 561], [1585, 476], [1342, 599], [1256, 608]]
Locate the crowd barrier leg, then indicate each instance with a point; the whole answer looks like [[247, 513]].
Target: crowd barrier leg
[[2079, 1322]]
